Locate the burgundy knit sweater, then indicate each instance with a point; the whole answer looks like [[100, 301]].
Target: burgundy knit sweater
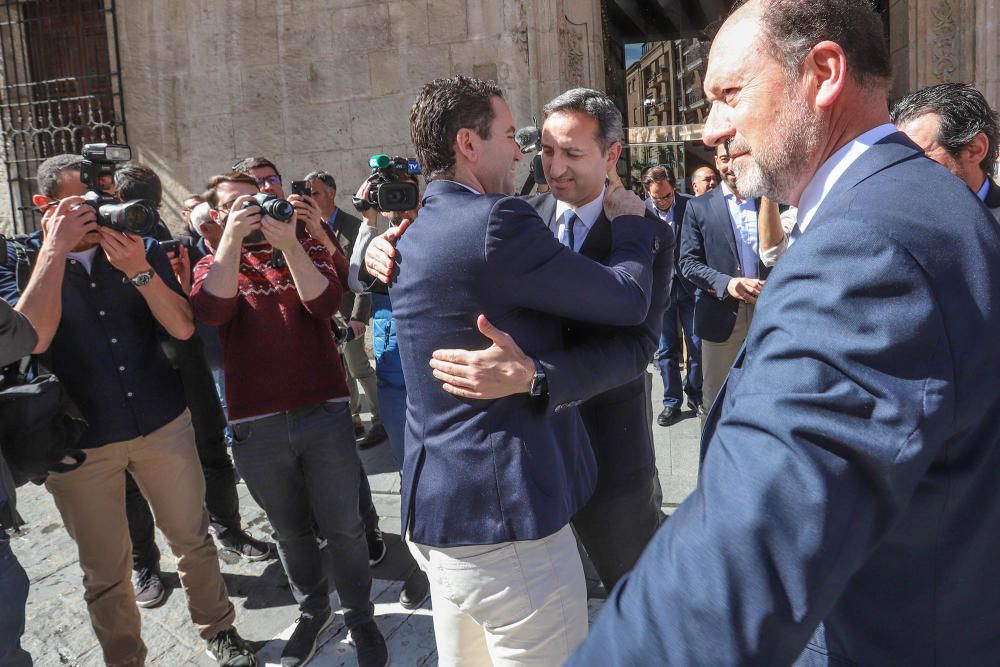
[[278, 353]]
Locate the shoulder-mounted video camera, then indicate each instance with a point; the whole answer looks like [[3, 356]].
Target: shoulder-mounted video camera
[[387, 193], [138, 216]]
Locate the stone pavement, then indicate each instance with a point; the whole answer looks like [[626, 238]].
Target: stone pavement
[[58, 627]]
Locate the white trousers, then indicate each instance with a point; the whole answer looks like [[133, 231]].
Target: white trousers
[[509, 604]]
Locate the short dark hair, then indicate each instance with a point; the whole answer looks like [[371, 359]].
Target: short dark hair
[[791, 28], [598, 106], [212, 187], [964, 113], [442, 108], [137, 181], [657, 174], [197, 198], [324, 177], [49, 170], [254, 162]]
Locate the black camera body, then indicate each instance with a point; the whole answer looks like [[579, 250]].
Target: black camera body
[[138, 216], [387, 193], [271, 206]]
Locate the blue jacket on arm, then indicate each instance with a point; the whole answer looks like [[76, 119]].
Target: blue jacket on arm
[[847, 505], [485, 472]]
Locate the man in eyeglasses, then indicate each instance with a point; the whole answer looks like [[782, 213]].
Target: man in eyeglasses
[[668, 205]]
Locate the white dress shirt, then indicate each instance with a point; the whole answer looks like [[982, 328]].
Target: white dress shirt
[[743, 217], [587, 215]]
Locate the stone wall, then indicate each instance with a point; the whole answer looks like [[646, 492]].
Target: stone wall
[[321, 84]]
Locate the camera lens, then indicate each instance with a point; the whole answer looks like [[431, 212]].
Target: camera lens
[[280, 210]]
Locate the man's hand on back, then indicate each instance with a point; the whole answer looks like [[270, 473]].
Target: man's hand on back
[[65, 226], [502, 369], [618, 202], [381, 252]]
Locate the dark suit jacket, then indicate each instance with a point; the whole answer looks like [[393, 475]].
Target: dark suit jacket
[[709, 259], [485, 472], [355, 306], [847, 509], [993, 199], [614, 359], [680, 207]]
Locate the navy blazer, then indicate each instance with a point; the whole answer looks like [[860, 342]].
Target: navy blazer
[[611, 360], [709, 258], [485, 472], [847, 509], [680, 207]]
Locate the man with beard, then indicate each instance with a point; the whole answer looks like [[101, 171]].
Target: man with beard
[[846, 509], [719, 255]]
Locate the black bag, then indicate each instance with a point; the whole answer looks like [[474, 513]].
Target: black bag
[[39, 426]]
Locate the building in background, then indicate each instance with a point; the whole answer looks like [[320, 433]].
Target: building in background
[[314, 84]]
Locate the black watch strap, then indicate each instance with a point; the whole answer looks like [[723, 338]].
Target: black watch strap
[[539, 381]]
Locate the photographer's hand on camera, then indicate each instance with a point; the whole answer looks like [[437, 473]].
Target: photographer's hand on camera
[[65, 225], [242, 221], [370, 215], [181, 265], [126, 252], [281, 235]]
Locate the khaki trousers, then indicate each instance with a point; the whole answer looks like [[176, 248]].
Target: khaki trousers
[[516, 604], [91, 500], [359, 371], [718, 358]]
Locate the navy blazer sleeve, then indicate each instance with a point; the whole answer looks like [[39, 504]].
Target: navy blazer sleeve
[[582, 371], [529, 268], [839, 406], [693, 260]]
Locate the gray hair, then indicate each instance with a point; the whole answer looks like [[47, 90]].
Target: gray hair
[[598, 106]]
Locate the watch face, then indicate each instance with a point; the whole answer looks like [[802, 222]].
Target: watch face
[[143, 278]]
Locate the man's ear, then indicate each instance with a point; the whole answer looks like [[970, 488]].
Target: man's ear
[[214, 214], [974, 151], [614, 152], [40, 201], [466, 144], [826, 65]]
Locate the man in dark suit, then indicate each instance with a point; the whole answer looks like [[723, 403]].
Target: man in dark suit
[[847, 505], [956, 127], [489, 487], [719, 255], [668, 206]]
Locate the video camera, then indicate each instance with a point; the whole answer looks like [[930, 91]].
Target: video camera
[[137, 216], [386, 192], [529, 140]]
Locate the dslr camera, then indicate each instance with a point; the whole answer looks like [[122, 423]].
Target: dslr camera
[[137, 216], [271, 206], [387, 193]]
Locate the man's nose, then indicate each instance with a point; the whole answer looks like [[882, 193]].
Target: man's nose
[[718, 126]]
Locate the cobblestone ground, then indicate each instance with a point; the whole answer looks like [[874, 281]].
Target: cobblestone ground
[[58, 627]]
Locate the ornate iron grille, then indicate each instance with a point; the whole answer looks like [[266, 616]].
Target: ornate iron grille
[[60, 88]]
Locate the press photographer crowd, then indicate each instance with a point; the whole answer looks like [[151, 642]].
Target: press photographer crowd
[[826, 301]]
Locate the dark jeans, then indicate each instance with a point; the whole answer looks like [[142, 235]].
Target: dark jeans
[[302, 468], [13, 595], [679, 315], [615, 530], [209, 423]]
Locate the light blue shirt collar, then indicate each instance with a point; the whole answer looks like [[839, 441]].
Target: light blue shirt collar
[[985, 190], [587, 216]]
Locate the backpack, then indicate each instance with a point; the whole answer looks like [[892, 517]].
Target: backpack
[[39, 425]]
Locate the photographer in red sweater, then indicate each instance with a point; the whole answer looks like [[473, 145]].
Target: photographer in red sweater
[[289, 406]]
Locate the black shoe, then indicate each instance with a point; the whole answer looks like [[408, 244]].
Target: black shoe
[[376, 547], [668, 417], [376, 435], [148, 587], [239, 542], [415, 590], [370, 645], [229, 650], [302, 644], [696, 407], [359, 429]]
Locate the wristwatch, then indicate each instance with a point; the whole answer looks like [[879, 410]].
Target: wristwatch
[[539, 382], [142, 278]]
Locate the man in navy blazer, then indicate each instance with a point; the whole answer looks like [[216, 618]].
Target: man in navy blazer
[[847, 504], [489, 487], [667, 205], [955, 126], [719, 255]]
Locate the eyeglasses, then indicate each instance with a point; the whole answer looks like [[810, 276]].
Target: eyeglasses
[[273, 179]]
